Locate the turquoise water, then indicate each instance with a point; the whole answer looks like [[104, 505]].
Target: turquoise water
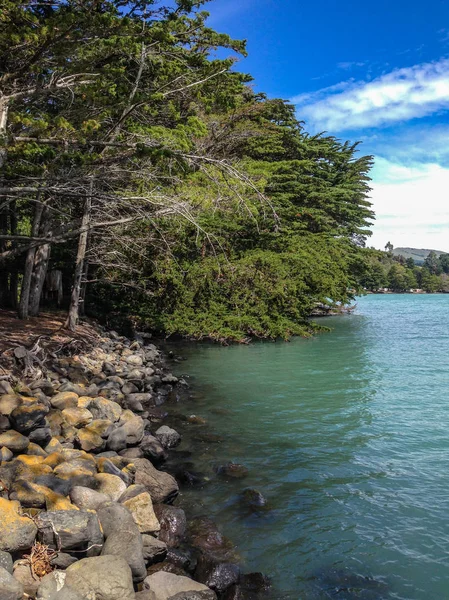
[[347, 436]]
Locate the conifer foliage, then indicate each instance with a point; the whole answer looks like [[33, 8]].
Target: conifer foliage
[[163, 188]]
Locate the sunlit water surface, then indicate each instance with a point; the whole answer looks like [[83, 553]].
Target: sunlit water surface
[[347, 436]]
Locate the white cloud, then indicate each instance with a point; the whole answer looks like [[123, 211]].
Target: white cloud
[[411, 205], [401, 95]]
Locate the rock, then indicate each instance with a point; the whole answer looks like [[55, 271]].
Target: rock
[[75, 530], [5, 454], [64, 400], [27, 493], [173, 524], [217, 576], [14, 441], [102, 408], [24, 574], [233, 470], [9, 402], [10, 588], [26, 418], [110, 485], [5, 387], [136, 401], [135, 360], [129, 388], [50, 585], [16, 532], [122, 538], [154, 550], [77, 417], [101, 578], [131, 453], [168, 437], [141, 508], [108, 368], [166, 585], [101, 427], [4, 423], [204, 535], [117, 439], [6, 561], [153, 449], [62, 560], [35, 450], [88, 440], [133, 426], [74, 468], [196, 420], [40, 436], [253, 499], [161, 486], [87, 499], [204, 595]]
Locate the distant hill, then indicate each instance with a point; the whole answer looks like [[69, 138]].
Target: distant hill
[[418, 255]]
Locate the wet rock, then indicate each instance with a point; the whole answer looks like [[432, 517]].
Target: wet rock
[[71, 530], [168, 437], [141, 508], [111, 485], [154, 550], [233, 470], [173, 524], [217, 576], [63, 400], [161, 486], [253, 499], [10, 588], [16, 531], [152, 449], [166, 585], [102, 577], [87, 499], [185, 558], [204, 535], [14, 441], [196, 420]]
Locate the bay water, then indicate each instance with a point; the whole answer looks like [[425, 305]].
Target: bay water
[[347, 436]]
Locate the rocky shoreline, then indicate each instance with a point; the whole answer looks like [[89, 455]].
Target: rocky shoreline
[[88, 509]]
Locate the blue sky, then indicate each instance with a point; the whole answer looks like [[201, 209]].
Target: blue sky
[[371, 71]]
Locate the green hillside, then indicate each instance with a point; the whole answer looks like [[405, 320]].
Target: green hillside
[[418, 254]]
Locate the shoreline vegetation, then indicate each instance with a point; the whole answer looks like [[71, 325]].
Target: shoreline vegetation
[[91, 483]]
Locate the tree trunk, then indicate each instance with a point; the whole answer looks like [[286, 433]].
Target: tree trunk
[[14, 277], [72, 317], [41, 259], [29, 263], [3, 271]]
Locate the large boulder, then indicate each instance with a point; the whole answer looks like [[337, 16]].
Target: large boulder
[[152, 449], [16, 531], [87, 499], [101, 578], [161, 486], [111, 485], [122, 537], [166, 585], [218, 576], [10, 588], [71, 530]]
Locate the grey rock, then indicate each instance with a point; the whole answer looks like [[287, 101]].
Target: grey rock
[[87, 499], [17, 532], [50, 585], [130, 453], [161, 486], [152, 449], [6, 561], [10, 588], [62, 560], [218, 576], [26, 418], [117, 439], [14, 441], [154, 550], [166, 585], [168, 437], [40, 436], [101, 578], [75, 530]]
